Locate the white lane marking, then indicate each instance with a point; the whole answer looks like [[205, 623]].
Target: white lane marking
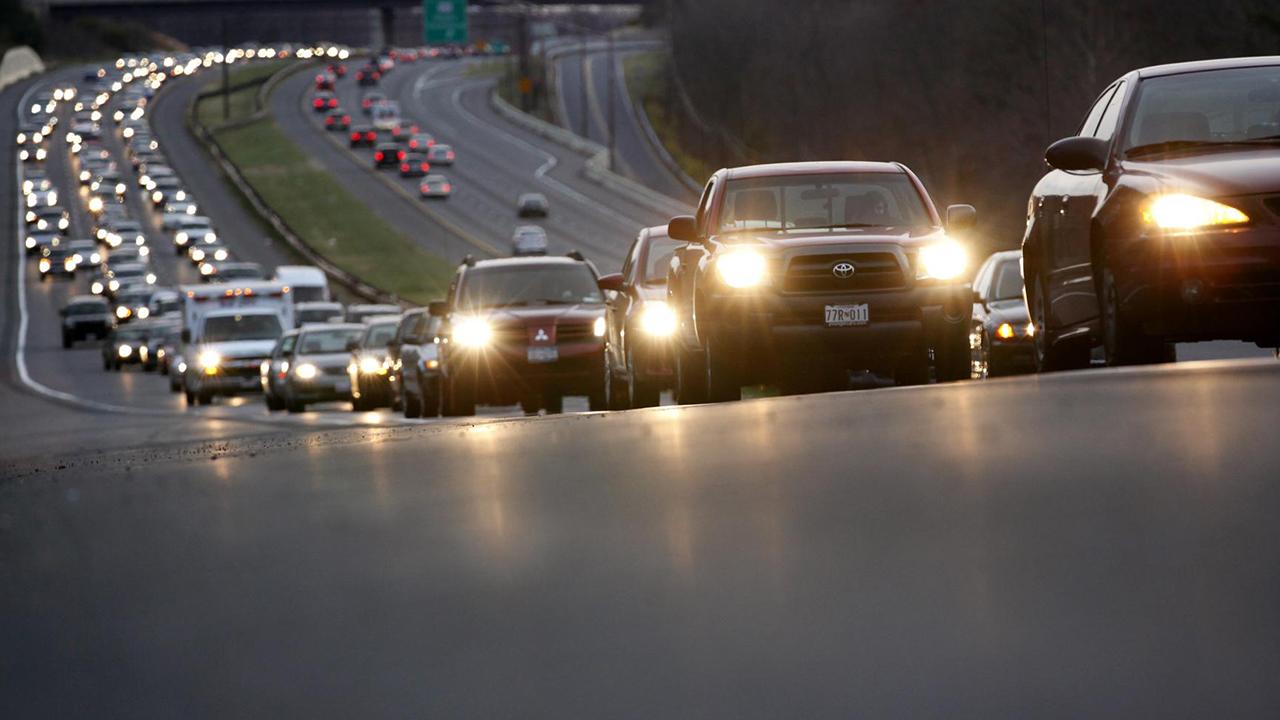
[[424, 82], [610, 215]]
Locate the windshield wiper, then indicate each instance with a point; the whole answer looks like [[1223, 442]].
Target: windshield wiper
[[1180, 145]]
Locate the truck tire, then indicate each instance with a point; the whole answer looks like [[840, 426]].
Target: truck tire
[[640, 394], [411, 402], [67, 341], [617, 395], [553, 402], [295, 406], [911, 370], [191, 399], [691, 377], [953, 358], [724, 375], [430, 398], [458, 400], [204, 398]]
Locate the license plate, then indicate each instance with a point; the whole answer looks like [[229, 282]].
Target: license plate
[[543, 354], [844, 315]]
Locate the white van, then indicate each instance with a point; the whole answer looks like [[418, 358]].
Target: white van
[[307, 283]]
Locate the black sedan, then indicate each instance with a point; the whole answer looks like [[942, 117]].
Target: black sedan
[[414, 165], [387, 155], [1158, 221], [1002, 338]]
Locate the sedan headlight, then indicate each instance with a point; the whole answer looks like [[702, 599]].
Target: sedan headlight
[[96, 287], [1186, 212], [946, 260], [180, 237], [123, 312], [45, 265], [473, 332], [113, 285], [157, 196], [124, 351], [95, 205], [657, 319], [370, 365], [306, 371]]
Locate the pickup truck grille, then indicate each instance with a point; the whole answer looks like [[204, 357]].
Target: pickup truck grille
[[872, 271]]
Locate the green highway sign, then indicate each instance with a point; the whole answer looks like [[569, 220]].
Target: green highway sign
[[444, 22]]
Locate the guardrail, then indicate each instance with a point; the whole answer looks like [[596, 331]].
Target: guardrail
[[350, 282]]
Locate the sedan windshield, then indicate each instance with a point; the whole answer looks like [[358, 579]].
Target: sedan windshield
[[378, 335], [660, 253], [1008, 281], [1206, 109], [228, 328], [520, 285], [316, 342], [827, 201]]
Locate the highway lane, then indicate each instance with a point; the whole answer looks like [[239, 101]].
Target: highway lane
[[1087, 544], [584, 96], [496, 162]]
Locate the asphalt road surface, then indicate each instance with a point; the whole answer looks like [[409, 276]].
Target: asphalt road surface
[[1098, 543]]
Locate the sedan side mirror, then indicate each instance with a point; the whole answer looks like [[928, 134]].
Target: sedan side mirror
[[1077, 154], [961, 219], [439, 308], [683, 228], [612, 282]]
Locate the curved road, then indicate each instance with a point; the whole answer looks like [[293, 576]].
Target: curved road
[[1099, 543]]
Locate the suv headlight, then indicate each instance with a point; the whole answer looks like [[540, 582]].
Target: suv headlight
[[306, 371], [657, 319], [946, 260], [472, 332], [209, 361], [741, 268], [598, 327], [1187, 212]]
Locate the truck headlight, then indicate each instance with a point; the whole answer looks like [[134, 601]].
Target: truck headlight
[[209, 361], [180, 238], [123, 312], [157, 196], [598, 327], [113, 285], [473, 332], [306, 371], [946, 260], [96, 288], [741, 268], [370, 365], [1177, 211], [657, 319]]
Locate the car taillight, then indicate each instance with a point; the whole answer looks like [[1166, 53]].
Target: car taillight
[[355, 137], [333, 102], [425, 167], [318, 102], [371, 136], [404, 167], [346, 119], [446, 188], [399, 154], [378, 156], [431, 143]]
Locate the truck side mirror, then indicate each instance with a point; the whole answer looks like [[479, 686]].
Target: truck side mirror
[[613, 281], [961, 219], [438, 308], [186, 335], [683, 228]]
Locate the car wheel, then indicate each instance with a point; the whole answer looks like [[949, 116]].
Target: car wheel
[[430, 398], [1122, 342], [67, 342], [106, 364], [952, 355], [359, 404], [553, 402], [616, 394], [640, 394], [191, 399], [1048, 356], [458, 400], [411, 403], [204, 398], [295, 406], [273, 403], [724, 379], [691, 377]]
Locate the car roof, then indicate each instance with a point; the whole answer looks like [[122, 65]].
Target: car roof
[[317, 305], [813, 168], [86, 299], [359, 327], [1204, 65], [364, 307]]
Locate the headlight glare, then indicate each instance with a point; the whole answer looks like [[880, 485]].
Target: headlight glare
[[209, 360], [657, 319], [306, 371], [598, 327], [741, 268], [472, 332], [942, 261], [1177, 211]]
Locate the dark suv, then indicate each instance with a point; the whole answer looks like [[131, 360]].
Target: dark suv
[[85, 315], [527, 330], [797, 274]]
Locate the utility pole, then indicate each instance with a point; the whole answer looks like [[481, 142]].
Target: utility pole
[[613, 124], [226, 75]]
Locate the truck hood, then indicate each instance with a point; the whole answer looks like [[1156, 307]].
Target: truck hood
[[1247, 171], [904, 236], [542, 314], [239, 349]]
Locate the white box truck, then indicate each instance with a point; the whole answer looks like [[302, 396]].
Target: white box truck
[[228, 331], [306, 282]]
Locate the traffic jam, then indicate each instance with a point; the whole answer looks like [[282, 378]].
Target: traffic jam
[[1155, 224]]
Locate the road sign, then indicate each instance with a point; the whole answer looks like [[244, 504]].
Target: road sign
[[444, 22]]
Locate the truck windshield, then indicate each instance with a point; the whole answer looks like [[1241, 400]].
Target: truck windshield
[[534, 284], [832, 201], [229, 328], [305, 293]]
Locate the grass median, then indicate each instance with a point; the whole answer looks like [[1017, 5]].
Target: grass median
[[329, 219]]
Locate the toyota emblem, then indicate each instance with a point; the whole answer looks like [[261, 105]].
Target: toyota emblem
[[842, 269]]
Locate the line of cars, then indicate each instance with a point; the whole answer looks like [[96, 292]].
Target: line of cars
[[396, 143]]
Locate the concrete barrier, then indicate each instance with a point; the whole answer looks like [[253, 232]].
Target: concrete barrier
[[19, 62]]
